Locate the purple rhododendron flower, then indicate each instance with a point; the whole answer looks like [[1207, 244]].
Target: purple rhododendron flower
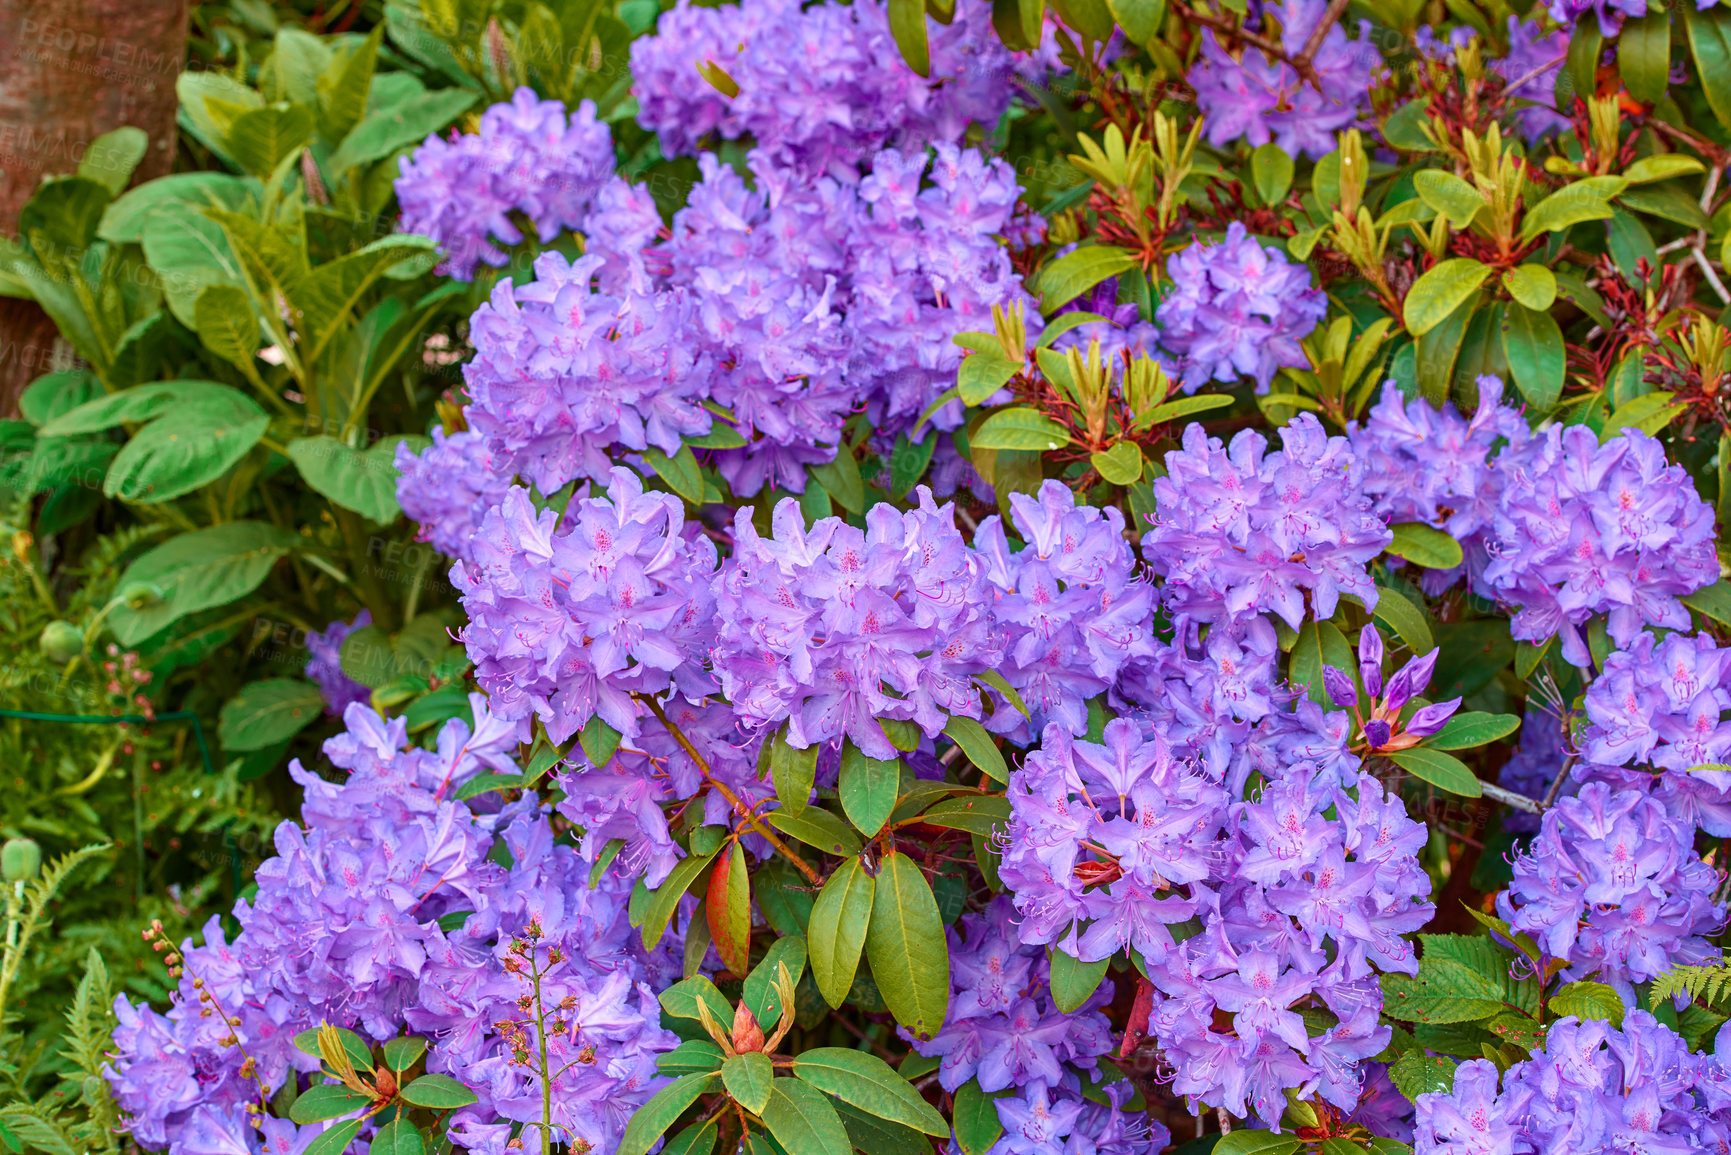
[[1237, 308], [1239, 530], [326, 665], [1529, 72], [1611, 884], [1259, 100], [529, 158], [448, 488], [570, 617], [1584, 529]]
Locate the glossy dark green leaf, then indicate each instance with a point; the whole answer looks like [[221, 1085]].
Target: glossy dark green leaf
[[697, 1139], [1422, 545], [1074, 982], [326, 1101], [1533, 346], [1075, 273], [334, 1141], [802, 1121], [977, 1126], [867, 788], [401, 1054], [977, 744], [1710, 41], [665, 898], [1443, 771], [1474, 728], [660, 1113], [438, 1092], [398, 1137], [869, 1083]]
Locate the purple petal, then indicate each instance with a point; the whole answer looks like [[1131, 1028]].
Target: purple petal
[[1429, 719], [1339, 686]]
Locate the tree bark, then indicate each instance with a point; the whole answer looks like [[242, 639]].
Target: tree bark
[[71, 70]]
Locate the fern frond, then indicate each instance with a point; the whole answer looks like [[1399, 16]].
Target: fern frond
[[90, 1018], [1707, 983], [27, 913]]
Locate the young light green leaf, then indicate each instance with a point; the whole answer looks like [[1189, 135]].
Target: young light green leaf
[[1120, 465], [1589, 1000], [1186, 406], [1650, 412], [1532, 285], [1441, 291], [1449, 195], [867, 1082], [909, 954], [1585, 200], [1271, 172], [1019, 428], [983, 374]]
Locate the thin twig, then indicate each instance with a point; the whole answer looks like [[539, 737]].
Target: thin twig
[[1336, 9], [739, 808], [1511, 799]]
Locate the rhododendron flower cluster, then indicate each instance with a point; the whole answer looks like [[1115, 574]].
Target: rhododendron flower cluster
[[448, 487], [831, 628], [1584, 529], [819, 88], [1259, 100], [1612, 886], [325, 667], [1591, 1087], [388, 907], [570, 617], [1433, 466], [1238, 308], [529, 158], [1239, 530]]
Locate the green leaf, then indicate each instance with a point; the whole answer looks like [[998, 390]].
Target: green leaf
[[1416, 1073], [1019, 428], [398, 1137], [1141, 21], [327, 295], [265, 137], [1406, 620], [976, 1118], [747, 1078], [169, 458], [908, 463], [681, 472], [267, 712], [401, 1054], [1585, 200], [1074, 982], [1184, 406], [867, 788], [365, 482], [326, 1101], [1435, 353], [841, 478], [997, 682], [818, 829], [697, 1139], [1120, 465], [837, 930], [1714, 602], [1650, 412], [874, 1136], [1422, 545], [694, 1056], [908, 26], [438, 1092], [657, 1115], [1710, 42], [728, 904], [198, 571], [983, 815], [793, 772], [334, 1141], [1319, 644], [385, 130], [1533, 347], [1075, 273], [1440, 770], [1589, 1001], [361, 1055], [1245, 1142], [123, 221], [1644, 61], [798, 1116], [865, 1081], [680, 1000], [760, 993], [983, 374], [1465, 731], [227, 326], [666, 896], [1664, 166], [112, 157], [910, 957], [1532, 285], [1441, 291], [62, 216], [345, 82], [1270, 171], [1449, 195], [977, 744]]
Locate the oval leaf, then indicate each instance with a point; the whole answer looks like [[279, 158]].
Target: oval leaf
[[977, 744], [729, 907], [1120, 465], [437, 1092], [747, 1078], [867, 1082], [867, 788], [1443, 771], [1441, 291], [1019, 428], [1422, 545], [837, 930], [657, 1115], [1073, 981], [1532, 285], [265, 713], [1474, 728], [909, 955], [1075, 273], [801, 1118]]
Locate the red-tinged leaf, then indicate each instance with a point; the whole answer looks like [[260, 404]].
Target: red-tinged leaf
[[729, 907]]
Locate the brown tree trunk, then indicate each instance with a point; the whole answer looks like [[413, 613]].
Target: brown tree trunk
[[71, 70]]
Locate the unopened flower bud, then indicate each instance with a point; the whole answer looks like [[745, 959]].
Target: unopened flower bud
[[20, 859], [60, 642]]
